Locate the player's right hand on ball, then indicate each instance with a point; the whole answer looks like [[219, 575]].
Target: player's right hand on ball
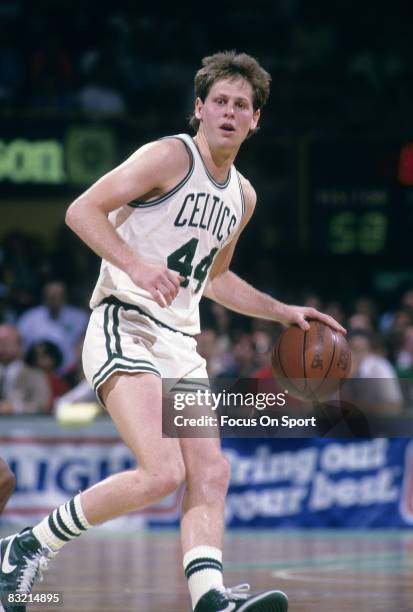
[[163, 284]]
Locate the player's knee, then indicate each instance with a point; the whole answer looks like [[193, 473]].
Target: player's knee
[[222, 474], [173, 479], [168, 479]]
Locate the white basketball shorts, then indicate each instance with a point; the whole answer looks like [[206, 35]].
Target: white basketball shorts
[[120, 339]]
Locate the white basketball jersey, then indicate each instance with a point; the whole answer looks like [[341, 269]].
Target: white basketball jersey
[[184, 230]]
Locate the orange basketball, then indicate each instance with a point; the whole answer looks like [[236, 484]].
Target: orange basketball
[[310, 364]]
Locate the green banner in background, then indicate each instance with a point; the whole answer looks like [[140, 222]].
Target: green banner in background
[[90, 151]]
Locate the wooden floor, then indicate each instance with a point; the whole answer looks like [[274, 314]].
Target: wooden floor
[[321, 571]]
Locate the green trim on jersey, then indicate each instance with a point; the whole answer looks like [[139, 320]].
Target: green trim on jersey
[[242, 195], [112, 300], [139, 204], [211, 178]]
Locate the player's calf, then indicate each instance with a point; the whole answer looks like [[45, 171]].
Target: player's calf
[[167, 478]]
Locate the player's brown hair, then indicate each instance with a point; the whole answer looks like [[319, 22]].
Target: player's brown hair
[[231, 65]]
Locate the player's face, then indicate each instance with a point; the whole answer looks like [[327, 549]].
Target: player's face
[[227, 114]]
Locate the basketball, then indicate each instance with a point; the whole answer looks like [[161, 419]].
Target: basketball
[[310, 364]]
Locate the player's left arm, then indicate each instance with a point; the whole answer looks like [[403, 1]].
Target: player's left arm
[[231, 291]]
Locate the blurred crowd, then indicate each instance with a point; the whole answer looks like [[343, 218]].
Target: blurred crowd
[[328, 63], [72, 58], [44, 314]]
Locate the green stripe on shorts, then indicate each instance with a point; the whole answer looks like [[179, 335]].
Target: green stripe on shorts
[[106, 331], [120, 367], [118, 348], [129, 362], [186, 384]]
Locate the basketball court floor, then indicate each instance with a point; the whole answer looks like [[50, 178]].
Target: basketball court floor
[[323, 571]]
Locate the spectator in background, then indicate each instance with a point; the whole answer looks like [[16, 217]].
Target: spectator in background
[[80, 390], [74, 264], [313, 300], [7, 484], [388, 321], [243, 354], [50, 56], [101, 95], [404, 357], [207, 347], [360, 320], [217, 322], [263, 344], [23, 389], [7, 314], [367, 307], [23, 264], [222, 324], [379, 393], [46, 356], [335, 309], [395, 334], [404, 365], [51, 75], [55, 321], [11, 64]]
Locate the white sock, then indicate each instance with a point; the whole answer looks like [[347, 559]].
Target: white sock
[[203, 570], [62, 525]]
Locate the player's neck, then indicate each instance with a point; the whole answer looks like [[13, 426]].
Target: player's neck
[[217, 160]]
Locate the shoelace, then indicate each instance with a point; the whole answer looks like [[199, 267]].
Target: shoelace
[[35, 566], [238, 592]]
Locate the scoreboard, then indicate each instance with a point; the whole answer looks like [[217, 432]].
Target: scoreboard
[[360, 197]]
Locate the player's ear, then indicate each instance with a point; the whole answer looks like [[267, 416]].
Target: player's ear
[[255, 119], [198, 108]]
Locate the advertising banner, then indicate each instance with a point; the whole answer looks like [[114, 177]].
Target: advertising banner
[[311, 482]]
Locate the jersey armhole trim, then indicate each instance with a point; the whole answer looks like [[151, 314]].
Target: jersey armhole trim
[[242, 195], [174, 190]]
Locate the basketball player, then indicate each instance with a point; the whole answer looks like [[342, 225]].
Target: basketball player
[[7, 484], [165, 223]]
